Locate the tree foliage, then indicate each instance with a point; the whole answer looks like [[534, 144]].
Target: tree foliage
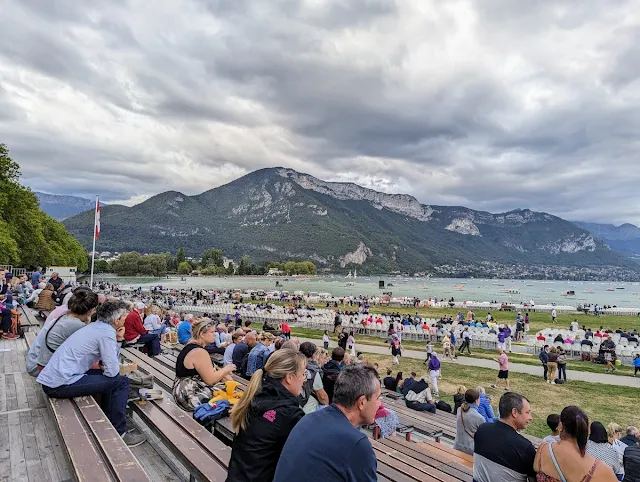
[[133, 264], [28, 237]]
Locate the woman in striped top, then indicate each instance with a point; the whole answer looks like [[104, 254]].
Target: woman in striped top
[[599, 447]]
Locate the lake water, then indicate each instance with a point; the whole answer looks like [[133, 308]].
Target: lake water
[[542, 292]]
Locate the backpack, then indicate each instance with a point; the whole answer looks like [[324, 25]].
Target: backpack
[[16, 328], [585, 356], [558, 381], [329, 377], [307, 387], [444, 406]]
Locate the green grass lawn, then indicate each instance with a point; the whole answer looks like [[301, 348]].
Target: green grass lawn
[[605, 403], [527, 359]]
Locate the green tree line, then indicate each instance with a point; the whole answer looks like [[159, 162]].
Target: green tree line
[[211, 263], [28, 237]]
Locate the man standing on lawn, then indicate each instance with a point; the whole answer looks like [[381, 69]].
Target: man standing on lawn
[[503, 373], [544, 359]]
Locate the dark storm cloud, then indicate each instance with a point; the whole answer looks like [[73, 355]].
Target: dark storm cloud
[[490, 104]]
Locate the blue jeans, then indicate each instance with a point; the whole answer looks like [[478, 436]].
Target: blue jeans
[[160, 331], [113, 391], [151, 343], [421, 407]]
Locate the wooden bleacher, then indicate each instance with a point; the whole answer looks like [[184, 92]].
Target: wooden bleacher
[[28, 320], [396, 457], [96, 452]]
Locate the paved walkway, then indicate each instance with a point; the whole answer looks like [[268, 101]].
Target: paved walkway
[[513, 367]]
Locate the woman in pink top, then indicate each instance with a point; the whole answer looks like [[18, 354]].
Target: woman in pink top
[[503, 373]]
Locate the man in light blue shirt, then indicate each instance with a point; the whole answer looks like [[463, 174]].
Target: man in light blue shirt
[[68, 373], [259, 353], [236, 338]]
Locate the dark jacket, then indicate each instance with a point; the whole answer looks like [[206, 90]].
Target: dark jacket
[[631, 464], [390, 383], [544, 357], [407, 385], [629, 440], [330, 372], [255, 451], [239, 357], [458, 400]]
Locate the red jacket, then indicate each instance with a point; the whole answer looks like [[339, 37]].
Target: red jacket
[[133, 326]]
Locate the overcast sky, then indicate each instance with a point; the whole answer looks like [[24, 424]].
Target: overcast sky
[[490, 104]]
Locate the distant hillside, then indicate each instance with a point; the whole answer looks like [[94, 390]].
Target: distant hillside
[[61, 207], [277, 213], [624, 239]]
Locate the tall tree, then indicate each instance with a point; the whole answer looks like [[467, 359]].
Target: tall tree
[[180, 256], [29, 237]]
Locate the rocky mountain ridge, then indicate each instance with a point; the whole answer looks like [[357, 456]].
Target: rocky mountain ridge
[[278, 212]]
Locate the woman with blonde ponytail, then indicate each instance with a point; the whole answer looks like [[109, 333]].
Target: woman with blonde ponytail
[[265, 415]]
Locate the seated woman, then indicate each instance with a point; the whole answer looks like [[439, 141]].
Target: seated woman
[[82, 305], [599, 447], [153, 323], [467, 422], [265, 415], [484, 408], [195, 372], [46, 299], [567, 459]]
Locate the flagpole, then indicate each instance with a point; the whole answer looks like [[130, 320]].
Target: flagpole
[[93, 251]]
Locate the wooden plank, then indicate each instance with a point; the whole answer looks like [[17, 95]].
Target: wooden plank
[[184, 420], [3, 393], [5, 447], [35, 471], [389, 471], [153, 464], [12, 401], [412, 472], [85, 460], [117, 454], [444, 448], [45, 448], [431, 457], [162, 380], [21, 392], [191, 454], [160, 368], [55, 440], [18, 465], [31, 391]]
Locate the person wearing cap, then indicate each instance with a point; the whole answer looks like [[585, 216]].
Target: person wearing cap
[[135, 332]]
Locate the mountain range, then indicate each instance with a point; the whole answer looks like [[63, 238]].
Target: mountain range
[[62, 207], [624, 239], [281, 214]]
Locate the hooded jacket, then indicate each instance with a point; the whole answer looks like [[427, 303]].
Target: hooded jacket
[[255, 451]]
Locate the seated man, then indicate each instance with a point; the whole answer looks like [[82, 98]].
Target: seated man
[[68, 372], [134, 331], [419, 398], [184, 329]]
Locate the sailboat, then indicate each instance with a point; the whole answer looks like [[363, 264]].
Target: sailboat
[[355, 273], [350, 275]]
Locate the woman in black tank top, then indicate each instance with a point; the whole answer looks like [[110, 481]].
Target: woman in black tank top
[[195, 372]]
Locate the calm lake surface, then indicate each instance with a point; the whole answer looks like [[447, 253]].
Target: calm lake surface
[[542, 292]]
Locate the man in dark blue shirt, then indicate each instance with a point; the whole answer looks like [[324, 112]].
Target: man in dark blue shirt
[[327, 446]]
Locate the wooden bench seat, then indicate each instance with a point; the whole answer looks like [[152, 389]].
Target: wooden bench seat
[[95, 450], [423, 422], [423, 464], [28, 320]]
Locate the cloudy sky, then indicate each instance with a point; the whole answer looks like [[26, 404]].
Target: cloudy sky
[[490, 104]]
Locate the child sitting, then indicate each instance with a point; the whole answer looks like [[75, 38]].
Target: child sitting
[[553, 421]]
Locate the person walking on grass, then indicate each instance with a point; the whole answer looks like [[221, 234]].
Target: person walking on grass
[[503, 372], [429, 352], [466, 341], [396, 349], [434, 373]]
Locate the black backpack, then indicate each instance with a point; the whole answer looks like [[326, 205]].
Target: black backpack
[[444, 406], [558, 381], [329, 377]]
